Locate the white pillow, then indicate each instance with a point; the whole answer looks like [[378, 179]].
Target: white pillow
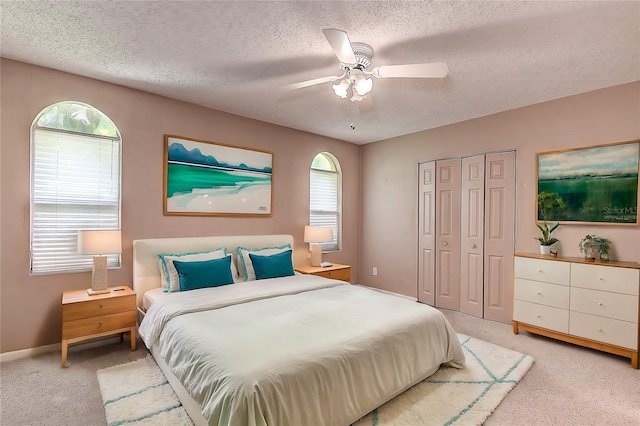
[[234, 270], [244, 261], [168, 270]]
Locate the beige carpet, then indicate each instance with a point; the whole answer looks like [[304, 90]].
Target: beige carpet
[[136, 393]]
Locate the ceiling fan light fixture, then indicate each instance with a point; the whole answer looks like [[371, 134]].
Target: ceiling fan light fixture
[[341, 88], [362, 85], [356, 97]]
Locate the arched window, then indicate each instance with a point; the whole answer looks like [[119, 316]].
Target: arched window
[[75, 184], [325, 197]]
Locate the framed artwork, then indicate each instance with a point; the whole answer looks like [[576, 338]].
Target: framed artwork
[[210, 179], [594, 185]]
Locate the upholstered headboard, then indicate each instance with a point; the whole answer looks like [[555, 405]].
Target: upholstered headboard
[[146, 272]]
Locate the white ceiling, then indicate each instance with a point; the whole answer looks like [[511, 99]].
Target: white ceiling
[[232, 56]]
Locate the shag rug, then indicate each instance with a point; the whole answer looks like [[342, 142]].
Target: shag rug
[[137, 393]]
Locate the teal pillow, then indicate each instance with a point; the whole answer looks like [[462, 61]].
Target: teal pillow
[[274, 266], [244, 261], [204, 273]]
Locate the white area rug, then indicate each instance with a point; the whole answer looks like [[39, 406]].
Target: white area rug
[[454, 396], [137, 393]]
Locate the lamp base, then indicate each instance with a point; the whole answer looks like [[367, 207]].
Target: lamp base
[[99, 276], [92, 292], [316, 254]]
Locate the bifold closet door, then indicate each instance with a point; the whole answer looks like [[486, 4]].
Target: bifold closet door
[[426, 232], [466, 216], [472, 236], [447, 243], [499, 232]]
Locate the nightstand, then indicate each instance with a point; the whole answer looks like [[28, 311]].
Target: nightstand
[[86, 317], [336, 271]]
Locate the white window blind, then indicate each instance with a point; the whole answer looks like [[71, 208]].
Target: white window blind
[[324, 203], [75, 185]]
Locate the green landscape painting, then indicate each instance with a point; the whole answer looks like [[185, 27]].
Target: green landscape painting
[[596, 185], [203, 178]]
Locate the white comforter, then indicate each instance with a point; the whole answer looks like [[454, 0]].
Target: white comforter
[[299, 350]]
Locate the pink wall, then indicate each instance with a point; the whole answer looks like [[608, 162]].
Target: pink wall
[[379, 180], [389, 222], [30, 306]]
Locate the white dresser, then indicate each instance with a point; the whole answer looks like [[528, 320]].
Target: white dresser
[[593, 304]]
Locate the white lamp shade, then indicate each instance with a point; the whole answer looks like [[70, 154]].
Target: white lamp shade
[[362, 85], [317, 234], [341, 88], [104, 241]]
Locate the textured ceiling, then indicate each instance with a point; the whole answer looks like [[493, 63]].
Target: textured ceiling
[[233, 56]]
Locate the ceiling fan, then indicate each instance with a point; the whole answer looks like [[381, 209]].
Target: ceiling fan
[[355, 60]]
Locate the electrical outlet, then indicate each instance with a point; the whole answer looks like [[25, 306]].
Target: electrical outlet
[[375, 271]]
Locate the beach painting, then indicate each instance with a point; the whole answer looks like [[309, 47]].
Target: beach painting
[[597, 185], [206, 178]]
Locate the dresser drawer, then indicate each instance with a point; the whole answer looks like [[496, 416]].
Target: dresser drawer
[[95, 325], [607, 330], [541, 293], [98, 307], [338, 274], [598, 277], [541, 316], [605, 304], [548, 271]]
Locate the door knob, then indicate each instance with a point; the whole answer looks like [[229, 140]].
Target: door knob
[[444, 243], [473, 246]]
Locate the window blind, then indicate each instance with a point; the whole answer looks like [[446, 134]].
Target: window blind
[[324, 203], [75, 184]]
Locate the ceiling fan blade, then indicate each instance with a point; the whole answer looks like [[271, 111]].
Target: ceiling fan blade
[[339, 41], [433, 70], [308, 83]]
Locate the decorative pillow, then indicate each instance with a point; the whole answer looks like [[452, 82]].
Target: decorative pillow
[[234, 270], [204, 273], [168, 271], [244, 261], [274, 266]]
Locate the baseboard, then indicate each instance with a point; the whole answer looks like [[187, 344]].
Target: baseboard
[[57, 347], [414, 299]]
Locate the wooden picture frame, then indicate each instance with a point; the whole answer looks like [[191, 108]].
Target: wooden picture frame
[[598, 185], [204, 178]]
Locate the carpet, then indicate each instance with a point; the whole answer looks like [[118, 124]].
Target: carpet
[[137, 393]]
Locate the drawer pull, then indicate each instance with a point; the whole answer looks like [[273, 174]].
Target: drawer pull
[[99, 324], [539, 316], [539, 293], [600, 330], [600, 304], [473, 246], [444, 243], [100, 306], [601, 279]]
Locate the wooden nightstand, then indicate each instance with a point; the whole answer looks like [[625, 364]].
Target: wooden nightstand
[[336, 271], [87, 317]]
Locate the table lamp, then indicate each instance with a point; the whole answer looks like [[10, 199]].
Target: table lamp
[[99, 243], [314, 235]]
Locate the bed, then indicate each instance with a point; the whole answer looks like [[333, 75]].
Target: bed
[[280, 350]]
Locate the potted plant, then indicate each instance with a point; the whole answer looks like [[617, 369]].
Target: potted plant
[[604, 249], [593, 245], [547, 202]]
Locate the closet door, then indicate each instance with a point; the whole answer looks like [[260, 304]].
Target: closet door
[[472, 236], [426, 232], [447, 242], [500, 190]]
